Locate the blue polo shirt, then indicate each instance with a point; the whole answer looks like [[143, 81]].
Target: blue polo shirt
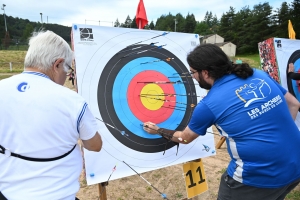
[[263, 140]]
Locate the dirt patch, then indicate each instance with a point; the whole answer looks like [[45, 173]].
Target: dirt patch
[[170, 181]]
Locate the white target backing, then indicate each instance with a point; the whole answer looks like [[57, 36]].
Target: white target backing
[[115, 68]]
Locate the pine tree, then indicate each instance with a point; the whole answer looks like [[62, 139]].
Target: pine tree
[[280, 20], [190, 23], [151, 26], [117, 23], [133, 23], [296, 17]]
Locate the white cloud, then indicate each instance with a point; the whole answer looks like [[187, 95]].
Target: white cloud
[[66, 12]]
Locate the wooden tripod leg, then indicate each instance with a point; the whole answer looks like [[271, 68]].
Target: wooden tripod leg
[[102, 191], [222, 140]]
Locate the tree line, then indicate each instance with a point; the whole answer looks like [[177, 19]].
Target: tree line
[[21, 29], [245, 28]]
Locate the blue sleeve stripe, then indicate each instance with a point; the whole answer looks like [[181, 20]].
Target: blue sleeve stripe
[[80, 116]]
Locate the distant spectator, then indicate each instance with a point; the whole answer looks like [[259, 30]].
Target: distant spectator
[[291, 72], [72, 77]]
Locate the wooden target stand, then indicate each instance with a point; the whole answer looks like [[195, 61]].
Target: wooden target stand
[[102, 190], [221, 141]]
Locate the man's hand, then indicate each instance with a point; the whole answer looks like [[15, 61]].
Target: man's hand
[[150, 127], [291, 67]]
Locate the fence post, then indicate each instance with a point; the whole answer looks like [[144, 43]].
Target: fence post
[[10, 66]]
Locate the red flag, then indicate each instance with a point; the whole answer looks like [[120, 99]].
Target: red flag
[[141, 16]]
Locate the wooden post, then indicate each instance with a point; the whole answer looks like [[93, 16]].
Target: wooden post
[[222, 140], [102, 190]]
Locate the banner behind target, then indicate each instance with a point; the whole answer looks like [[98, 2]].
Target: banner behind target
[[123, 74], [276, 54]]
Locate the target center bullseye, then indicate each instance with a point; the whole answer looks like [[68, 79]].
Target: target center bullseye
[[151, 96]]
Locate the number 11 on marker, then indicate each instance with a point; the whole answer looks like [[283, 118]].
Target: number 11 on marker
[[195, 179]]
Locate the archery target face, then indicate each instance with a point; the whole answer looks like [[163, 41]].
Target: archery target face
[[123, 80], [294, 85], [287, 51], [136, 96]]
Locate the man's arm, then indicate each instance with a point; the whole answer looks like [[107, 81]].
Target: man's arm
[[93, 144], [186, 136], [293, 104], [294, 76], [89, 135]]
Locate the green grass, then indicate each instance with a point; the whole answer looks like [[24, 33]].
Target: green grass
[[149, 189], [253, 60], [12, 56], [3, 70], [5, 76], [222, 171], [17, 59], [15, 48], [178, 195], [294, 195]]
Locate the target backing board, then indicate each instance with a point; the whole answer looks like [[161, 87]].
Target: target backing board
[[128, 77], [276, 54]]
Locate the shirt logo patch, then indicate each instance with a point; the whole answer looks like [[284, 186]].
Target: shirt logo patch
[[23, 87], [255, 90]]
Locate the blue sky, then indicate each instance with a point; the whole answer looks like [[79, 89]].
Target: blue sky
[[67, 12]]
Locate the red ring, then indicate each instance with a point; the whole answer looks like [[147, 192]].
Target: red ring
[[136, 106]]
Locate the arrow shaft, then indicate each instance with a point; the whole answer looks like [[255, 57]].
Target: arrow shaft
[[145, 179], [138, 52], [164, 100], [148, 39], [167, 82], [173, 108], [122, 132], [171, 95], [167, 59]]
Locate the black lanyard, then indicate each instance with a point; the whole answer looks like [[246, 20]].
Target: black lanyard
[[8, 153]]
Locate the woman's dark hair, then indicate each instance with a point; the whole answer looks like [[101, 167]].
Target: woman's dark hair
[[211, 58]]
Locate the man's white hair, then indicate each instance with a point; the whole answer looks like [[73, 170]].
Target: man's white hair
[[45, 47]]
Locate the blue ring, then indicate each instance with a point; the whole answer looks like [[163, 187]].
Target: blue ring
[[119, 94], [294, 82]]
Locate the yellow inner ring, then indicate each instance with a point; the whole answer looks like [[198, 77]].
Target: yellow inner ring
[[149, 96]]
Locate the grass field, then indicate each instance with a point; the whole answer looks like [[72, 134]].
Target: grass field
[[3, 76], [15, 57], [17, 60], [253, 60]]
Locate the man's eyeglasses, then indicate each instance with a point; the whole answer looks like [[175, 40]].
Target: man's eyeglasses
[[191, 72], [70, 70]]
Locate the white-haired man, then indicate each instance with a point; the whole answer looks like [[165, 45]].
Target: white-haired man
[[40, 124]]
